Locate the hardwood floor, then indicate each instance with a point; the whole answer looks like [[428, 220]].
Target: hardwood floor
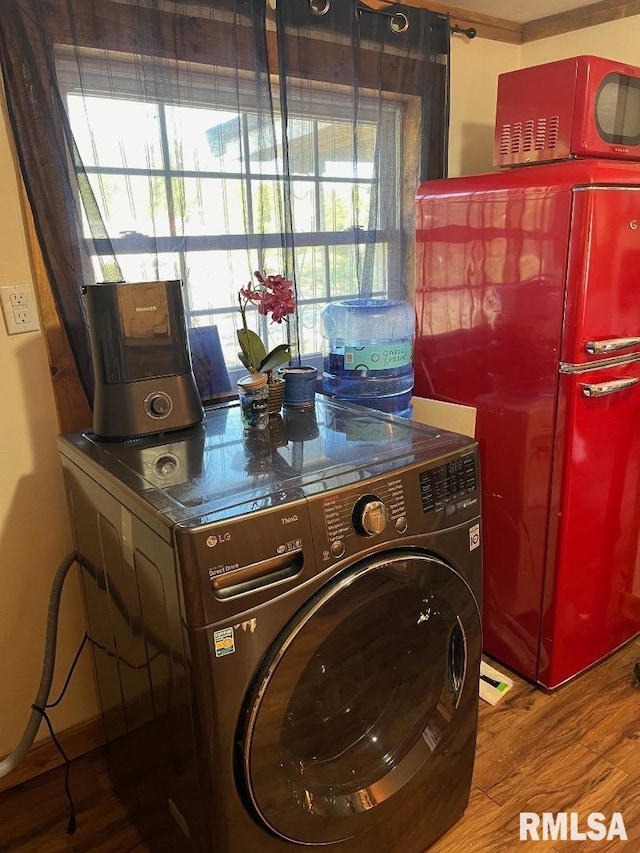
[[577, 749]]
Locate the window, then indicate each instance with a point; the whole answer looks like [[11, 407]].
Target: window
[[212, 60], [196, 191]]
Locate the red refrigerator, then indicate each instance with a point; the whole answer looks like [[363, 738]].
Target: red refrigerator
[[528, 308]]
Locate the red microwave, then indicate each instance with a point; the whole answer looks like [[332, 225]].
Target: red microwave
[[585, 106]]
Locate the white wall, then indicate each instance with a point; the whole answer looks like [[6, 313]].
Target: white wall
[[475, 66], [619, 40], [34, 527]]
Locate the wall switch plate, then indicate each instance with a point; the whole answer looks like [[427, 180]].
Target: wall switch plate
[[19, 308]]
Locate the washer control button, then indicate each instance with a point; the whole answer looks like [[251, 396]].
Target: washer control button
[[401, 524], [158, 404], [337, 548]]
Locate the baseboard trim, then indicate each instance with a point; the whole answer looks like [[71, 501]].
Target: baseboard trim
[[44, 756]]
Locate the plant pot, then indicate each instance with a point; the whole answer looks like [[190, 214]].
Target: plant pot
[[276, 396], [300, 386]]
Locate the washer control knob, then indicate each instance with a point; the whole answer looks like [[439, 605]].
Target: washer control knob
[[159, 404], [369, 516]]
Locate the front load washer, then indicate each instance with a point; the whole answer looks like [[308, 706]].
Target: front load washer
[[285, 627]]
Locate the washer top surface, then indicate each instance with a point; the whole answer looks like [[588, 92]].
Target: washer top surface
[[217, 470]]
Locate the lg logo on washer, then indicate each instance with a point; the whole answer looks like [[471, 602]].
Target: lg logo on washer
[[212, 541]]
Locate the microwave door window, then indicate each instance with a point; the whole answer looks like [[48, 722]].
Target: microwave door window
[[617, 110]]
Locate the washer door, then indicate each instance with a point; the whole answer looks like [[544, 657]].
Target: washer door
[[358, 692]]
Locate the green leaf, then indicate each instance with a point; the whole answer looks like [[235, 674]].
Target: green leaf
[[279, 355], [252, 349]]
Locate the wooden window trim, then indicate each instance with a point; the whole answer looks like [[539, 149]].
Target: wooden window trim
[[306, 56], [72, 406]]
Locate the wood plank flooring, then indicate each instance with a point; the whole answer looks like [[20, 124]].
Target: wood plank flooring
[[577, 749]]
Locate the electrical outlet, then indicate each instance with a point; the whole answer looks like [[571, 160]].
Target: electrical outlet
[[19, 308]]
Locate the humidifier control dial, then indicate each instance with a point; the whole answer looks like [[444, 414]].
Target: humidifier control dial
[[369, 516], [158, 404]]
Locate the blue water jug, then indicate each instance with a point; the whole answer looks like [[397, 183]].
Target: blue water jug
[[368, 353]]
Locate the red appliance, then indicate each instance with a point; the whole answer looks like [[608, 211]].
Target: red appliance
[[585, 106], [528, 307]]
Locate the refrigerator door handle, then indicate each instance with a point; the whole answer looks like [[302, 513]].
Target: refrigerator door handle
[[600, 389], [611, 345]]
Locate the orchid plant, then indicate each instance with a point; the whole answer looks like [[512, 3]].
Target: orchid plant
[[273, 295]]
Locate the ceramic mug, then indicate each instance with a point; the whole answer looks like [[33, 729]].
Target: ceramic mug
[[300, 386]]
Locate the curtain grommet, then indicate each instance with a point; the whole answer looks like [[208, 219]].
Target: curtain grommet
[[319, 7], [398, 23]]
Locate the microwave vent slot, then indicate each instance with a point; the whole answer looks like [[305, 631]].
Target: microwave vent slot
[[527, 139], [516, 137], [511, 138], [547, 133], [505, 139], [553, 132], [540, 134]]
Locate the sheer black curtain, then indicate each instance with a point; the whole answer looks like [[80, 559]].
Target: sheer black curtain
[[369, 88], [205, 140]]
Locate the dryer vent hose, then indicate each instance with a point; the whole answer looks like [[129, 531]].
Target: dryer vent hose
[[14, 758]]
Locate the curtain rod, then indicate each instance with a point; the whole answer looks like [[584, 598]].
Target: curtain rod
[[398, 21], [469, 32]]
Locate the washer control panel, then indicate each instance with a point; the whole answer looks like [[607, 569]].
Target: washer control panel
[[370, 514], [446, 484], [386, 510]]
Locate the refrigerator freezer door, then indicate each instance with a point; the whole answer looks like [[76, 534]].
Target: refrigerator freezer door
[[602, 316], [591, 600]]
